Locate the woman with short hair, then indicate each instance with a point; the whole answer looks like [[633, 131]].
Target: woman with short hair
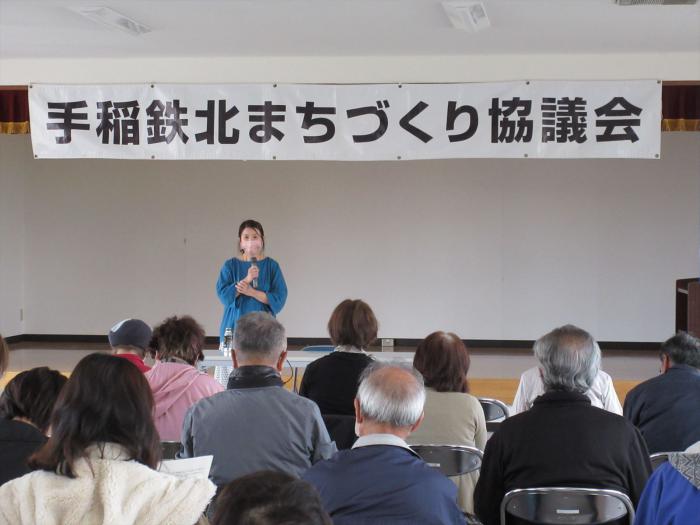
[[176, 383], [452, 415], [98, 466], [332, 380], [25, 410]]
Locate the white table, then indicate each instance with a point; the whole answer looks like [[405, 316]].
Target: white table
[[297, 359]]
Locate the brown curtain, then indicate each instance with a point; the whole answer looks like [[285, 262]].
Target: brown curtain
[[680, 108], [14, 110]]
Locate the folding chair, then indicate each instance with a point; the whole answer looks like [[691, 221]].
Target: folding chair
[[495, 411], [169, 449], [451, 460], [573, 506], [658, 459]]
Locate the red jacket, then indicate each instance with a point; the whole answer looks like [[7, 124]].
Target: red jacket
[[136, 360]]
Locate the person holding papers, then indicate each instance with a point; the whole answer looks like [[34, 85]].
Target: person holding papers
[[98, 465]]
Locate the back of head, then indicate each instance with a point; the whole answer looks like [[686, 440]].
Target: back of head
[[180, 338], [352, 323], [106, 399], [569, 359], [4, 356], [31, 395], [443, 360], [269, 498], [682, 349], [259, 336], [391, 394], [131, 335]]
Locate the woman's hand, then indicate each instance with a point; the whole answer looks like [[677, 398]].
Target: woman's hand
[[244, 288], [253, 273]]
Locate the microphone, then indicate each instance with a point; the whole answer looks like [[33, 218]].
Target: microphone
[[254, 261]]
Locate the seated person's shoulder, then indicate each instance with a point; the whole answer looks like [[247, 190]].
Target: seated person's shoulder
[[611, 421], [292, 399], [211, 402]]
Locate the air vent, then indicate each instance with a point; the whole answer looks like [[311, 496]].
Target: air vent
[[467, 16], [656, 2], [111, 18]]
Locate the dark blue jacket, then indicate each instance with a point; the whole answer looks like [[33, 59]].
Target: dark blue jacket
[[384, 485], [666, 409]]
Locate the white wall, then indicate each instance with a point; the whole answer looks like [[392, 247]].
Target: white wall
[[493, 249], [354, 69], [11, 236]]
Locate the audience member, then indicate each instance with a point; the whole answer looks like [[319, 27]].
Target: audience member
[[666, 408], [381, 480], [97, 466], [562, 440], [256, 424], [269, 498], [129, 340], [25, 409], [602, 392], [331, 381], [452, 415], [672, 494], [176, 383]]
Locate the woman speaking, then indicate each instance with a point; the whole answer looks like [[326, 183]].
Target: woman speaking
[[250, 282]]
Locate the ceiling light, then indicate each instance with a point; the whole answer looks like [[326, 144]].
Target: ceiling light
[[109, 17], [467, 16]]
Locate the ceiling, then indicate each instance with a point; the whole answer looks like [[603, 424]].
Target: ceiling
[[215, 28]]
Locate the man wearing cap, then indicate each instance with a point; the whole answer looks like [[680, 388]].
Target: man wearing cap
[[129, 339]]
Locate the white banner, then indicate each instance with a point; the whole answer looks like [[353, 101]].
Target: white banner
[[553, 119]]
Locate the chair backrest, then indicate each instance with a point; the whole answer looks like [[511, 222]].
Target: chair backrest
[[658, 459], [341, 428], [573, 506], [451, 460], [318, 348], [494, 409], [169, 449]]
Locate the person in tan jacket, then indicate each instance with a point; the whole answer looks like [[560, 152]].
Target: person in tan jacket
[[452, 415]]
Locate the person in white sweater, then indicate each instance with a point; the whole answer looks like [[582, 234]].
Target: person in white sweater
[[97, 468], [601, 393]]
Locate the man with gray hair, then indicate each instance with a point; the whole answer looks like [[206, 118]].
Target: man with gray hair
[[256, 424], [562, 440], [601, 393], [381, 480], [666, 408]]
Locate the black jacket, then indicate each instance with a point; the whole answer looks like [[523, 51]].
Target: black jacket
[[666, 409], [332, 381], [18, 441], [561, 441]]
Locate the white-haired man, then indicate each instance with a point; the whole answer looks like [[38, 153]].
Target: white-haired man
[[381, 480], [562, 440]]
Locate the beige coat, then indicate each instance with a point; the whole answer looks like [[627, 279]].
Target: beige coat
[[452, 418], [115, 492]]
